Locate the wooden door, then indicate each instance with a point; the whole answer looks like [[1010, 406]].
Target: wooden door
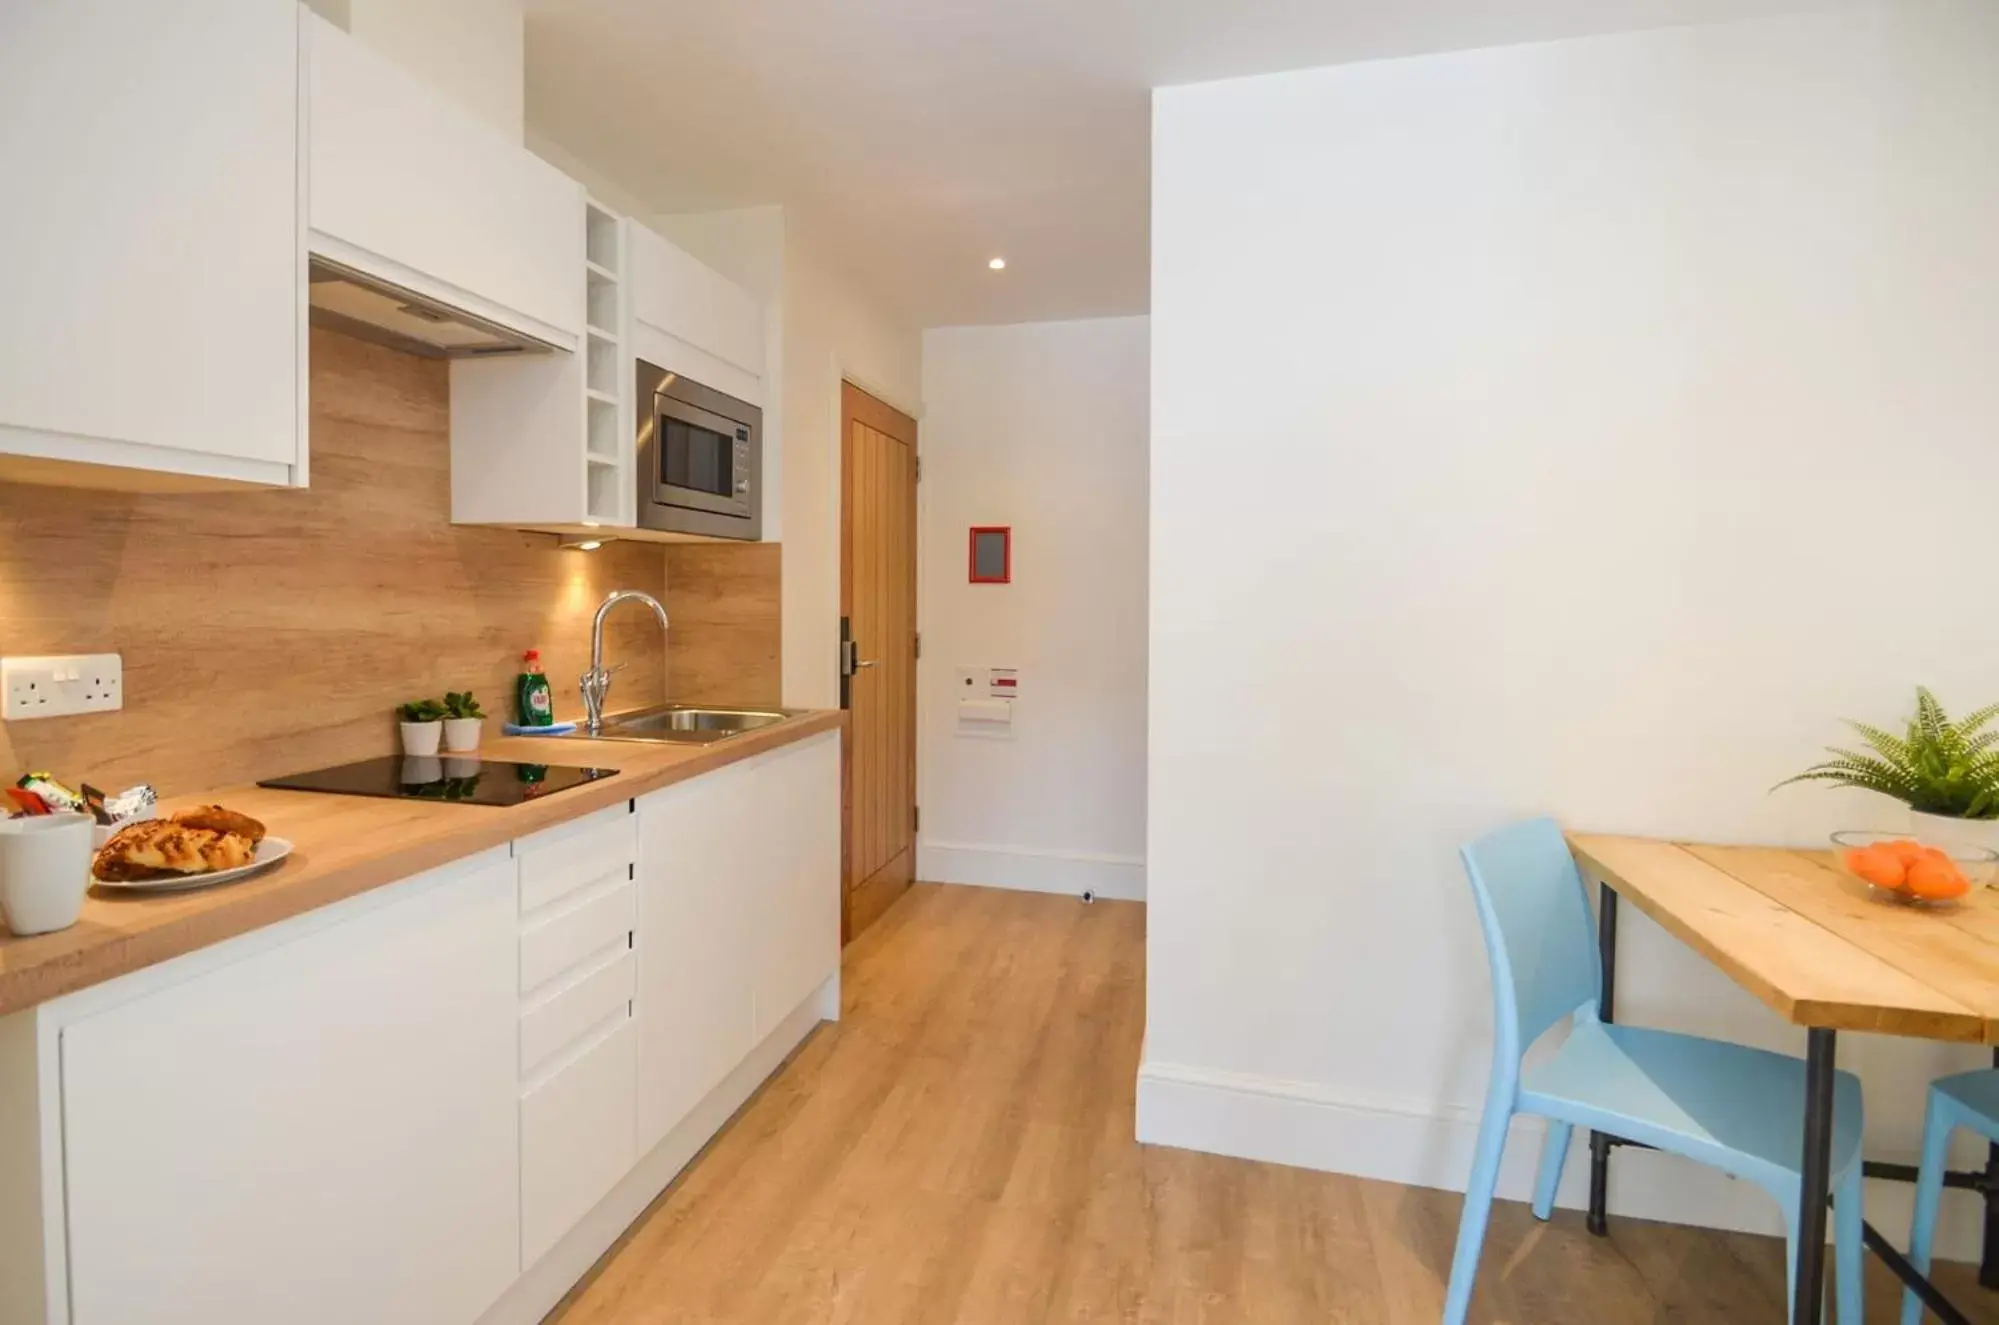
[[878, 599]]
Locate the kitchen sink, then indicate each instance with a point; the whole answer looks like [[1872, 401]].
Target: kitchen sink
[[684, 724]]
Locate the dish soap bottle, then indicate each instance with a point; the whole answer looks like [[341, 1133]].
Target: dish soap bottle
[[531, 693]]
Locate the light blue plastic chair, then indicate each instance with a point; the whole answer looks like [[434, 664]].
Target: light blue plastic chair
[[1739, 1109], [1970, 1099]]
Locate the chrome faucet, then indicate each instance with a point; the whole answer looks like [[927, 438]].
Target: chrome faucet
[[596, 683]]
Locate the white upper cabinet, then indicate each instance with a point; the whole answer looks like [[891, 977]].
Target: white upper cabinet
[[409, 187], [692, 320], [151, 297]]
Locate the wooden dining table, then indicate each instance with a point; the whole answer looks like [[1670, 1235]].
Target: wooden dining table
[[1825, 952]]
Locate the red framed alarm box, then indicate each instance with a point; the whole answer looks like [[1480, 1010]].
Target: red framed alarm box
[[992, 554]]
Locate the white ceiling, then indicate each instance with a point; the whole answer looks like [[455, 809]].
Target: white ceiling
[[918, 138]]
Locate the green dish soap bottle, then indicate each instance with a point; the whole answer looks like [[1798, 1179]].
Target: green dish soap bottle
[[532, 698]]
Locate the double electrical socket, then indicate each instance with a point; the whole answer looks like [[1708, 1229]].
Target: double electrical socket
[[57, 687]]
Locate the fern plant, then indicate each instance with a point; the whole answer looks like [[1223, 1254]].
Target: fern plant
[[1937, 767]]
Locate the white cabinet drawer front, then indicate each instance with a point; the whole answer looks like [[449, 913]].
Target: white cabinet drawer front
[[572, 1011], [564, 860], [596, 919], [576, 1139]]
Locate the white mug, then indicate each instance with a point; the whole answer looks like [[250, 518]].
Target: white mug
[[44, 871]]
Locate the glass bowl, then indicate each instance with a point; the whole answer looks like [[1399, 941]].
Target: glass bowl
[[1906, 869]]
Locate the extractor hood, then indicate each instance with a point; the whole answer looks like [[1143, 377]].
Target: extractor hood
[[359, 305]]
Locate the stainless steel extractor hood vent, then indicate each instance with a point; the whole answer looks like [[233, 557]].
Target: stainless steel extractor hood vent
[[348, 301]]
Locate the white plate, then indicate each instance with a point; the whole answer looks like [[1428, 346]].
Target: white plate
[[268, 852]]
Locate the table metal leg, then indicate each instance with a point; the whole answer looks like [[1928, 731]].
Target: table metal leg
[[1988, 1262], [1815, 1175], [1606, 1008]]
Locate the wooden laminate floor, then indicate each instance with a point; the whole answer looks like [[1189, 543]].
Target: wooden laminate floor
[[958, 1149]]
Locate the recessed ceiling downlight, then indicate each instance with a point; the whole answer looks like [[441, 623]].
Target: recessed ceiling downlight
[[997, 264]]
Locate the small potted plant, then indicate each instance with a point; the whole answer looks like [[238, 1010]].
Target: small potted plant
[[423, 726], [463, 720], [1946, 772]]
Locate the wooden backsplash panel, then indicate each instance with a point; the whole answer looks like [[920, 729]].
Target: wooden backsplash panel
[[267, 632], [723, 599]]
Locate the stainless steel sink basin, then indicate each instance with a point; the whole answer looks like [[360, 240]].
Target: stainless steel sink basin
[[683, 724]]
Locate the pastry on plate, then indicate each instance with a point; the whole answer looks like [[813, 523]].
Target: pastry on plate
[[216, 819], [161, 848]]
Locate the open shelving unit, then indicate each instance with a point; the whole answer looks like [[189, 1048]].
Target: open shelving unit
[[608, 421]]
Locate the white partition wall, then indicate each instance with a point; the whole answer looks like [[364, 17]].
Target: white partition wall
[[1579, 428]]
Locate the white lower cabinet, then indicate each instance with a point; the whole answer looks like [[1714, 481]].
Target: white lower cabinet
[[795, 925], [694, 1002], [399, 1110], [322, 1132], [739, 917]]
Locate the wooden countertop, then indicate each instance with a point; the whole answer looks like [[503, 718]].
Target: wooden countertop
[[344, 845], [1816, 945]]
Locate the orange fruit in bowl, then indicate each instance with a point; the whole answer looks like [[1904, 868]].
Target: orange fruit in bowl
[[1909, 852], [1936, 879], [1880, 865]]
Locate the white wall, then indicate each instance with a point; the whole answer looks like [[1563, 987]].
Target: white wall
[[1040, 426], [1578, 428], [832, 328]]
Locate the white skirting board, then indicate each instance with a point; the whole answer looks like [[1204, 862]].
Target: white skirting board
[[1310, 1126], [537, 1291], [1033, 870]]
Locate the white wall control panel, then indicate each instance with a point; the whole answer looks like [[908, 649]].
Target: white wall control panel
[[985, 698], [988, 682], [56, 687]]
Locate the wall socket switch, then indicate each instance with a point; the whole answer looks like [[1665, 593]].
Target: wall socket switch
[[56, 687]]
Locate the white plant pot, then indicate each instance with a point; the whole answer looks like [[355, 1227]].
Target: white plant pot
[[461, 735], [1943, 830], [421, 738]]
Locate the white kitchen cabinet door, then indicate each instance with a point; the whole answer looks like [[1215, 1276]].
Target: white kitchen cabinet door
[[795, 920], [152, 293], [692, 320], [323, 1133], [576, 1137], [408, 186], [693, 1001]]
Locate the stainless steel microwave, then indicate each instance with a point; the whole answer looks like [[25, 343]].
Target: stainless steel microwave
[[700, 458]]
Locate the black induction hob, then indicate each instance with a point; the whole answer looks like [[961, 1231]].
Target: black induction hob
[[465, 779]]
